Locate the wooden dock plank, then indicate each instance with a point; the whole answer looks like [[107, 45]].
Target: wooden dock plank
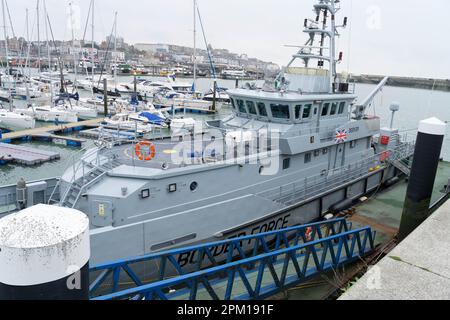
[[50, 129]]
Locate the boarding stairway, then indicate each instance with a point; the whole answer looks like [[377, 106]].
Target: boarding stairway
[[88, 171], [400, 165], [401, 157], [246, 268]]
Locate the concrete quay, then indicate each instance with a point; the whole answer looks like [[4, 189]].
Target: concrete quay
[[417, 269]]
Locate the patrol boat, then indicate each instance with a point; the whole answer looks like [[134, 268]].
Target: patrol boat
[[291, 152]]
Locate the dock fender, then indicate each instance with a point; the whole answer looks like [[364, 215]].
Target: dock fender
[[390, 182], [341, 206]]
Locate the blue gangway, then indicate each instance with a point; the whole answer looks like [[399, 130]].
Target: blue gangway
[[251, 267]]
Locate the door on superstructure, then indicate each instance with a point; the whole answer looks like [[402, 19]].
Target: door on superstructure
[[337, 156]]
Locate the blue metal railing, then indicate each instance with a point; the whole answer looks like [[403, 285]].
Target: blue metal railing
[[259, 276], [111, 277]]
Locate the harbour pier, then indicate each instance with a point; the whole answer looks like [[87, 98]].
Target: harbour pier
[[416, 269], [52, 133], [24, 155]]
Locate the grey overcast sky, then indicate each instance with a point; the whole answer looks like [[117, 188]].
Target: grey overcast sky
[[395, 37]]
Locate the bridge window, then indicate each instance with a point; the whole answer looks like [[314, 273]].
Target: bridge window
[[334, 109], [341, 107], [280, 111], [232, 103], [307, 111], [251, 107], [298, 110], [241, 106], [325, 109], [262, 109]]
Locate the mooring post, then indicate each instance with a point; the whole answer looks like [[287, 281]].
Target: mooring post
[[44, 254], [105, 96], [214, 96], [427, 154]]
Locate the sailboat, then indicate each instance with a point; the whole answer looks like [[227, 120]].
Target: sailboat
[[9, 119], [50, 113], [15, 121]]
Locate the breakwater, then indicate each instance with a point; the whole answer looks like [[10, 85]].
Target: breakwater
[[407, 82]]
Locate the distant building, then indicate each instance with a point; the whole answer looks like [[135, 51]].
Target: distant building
[[155, 48]]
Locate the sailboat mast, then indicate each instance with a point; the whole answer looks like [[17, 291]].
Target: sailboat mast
[[73, 46], [115, 51], [195, 46], [38, 37], [93, 45], [48, 54], [27, 85], [27, 25], [7, 53]]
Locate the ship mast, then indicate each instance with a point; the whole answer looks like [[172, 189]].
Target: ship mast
[[8, 72], [195, 46], [326, 11]]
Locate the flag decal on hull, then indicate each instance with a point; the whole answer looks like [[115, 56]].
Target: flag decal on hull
[[341, 136]]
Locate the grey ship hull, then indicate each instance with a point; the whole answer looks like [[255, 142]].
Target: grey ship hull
[[298, 213]]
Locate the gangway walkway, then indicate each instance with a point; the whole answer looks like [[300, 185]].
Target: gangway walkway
[[244, 268]]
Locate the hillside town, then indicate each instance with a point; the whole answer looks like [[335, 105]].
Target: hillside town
[[142, 58]]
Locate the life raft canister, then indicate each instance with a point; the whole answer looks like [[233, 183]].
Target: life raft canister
[[385, 156], [308, 233], [141, 155]]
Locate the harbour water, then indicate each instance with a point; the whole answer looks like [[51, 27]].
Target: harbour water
[[415, 104]]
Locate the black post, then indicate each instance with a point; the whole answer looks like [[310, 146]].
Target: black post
[[46, 263], [105, 96], [214, 96], [237, 83], [423, 173]]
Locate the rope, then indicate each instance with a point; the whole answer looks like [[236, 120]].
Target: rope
[[87, 22]]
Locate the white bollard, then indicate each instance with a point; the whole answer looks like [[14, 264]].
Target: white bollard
[[44, 254]]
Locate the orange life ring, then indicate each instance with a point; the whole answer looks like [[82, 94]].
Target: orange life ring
[[140, 155]]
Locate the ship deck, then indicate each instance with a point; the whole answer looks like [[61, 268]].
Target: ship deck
[[168, 152]]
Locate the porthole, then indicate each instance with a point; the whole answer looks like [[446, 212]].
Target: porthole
[[194, 186]]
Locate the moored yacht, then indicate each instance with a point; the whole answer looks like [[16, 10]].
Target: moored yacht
[[15, 120], [51, 114]]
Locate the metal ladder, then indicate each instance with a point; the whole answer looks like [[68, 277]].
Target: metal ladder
[[94, 173], [401, 166]]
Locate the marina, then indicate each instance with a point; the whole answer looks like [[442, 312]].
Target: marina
[[51, 132], [197, 185]]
